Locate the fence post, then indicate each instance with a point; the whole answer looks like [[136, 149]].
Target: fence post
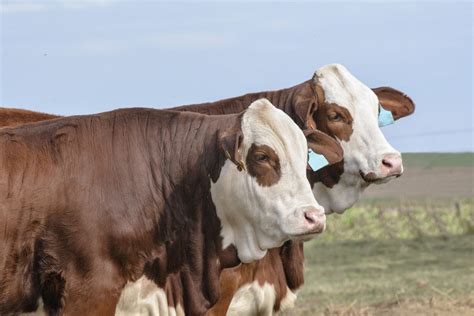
[[439, 222], [386, 226], [362, 227], [414, 223]]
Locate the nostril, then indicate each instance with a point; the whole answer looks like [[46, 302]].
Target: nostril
[[314, 217], [387, 163], [392, 164], [310, 217], [315, 221]]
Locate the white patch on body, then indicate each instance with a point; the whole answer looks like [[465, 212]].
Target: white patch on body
[[288, 302], [366, 146], [142, 298], [253, 299], [256, 218]]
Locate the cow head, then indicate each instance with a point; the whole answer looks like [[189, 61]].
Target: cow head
[[348, 111], [262, 195]]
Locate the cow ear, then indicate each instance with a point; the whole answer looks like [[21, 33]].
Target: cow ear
[[229, 143], [304, 110], [306, 104], [395, 101], [325, 145]]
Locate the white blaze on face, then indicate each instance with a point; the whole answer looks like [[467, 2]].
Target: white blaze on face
[[256, 217], [366, 151]]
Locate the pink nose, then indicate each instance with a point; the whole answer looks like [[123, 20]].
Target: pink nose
[[315, 220], [392, 165]]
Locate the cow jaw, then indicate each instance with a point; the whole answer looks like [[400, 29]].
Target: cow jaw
[[341, 196], [271, 201], [368, 157]]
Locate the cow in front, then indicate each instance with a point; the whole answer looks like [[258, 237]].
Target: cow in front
[[90, 203]]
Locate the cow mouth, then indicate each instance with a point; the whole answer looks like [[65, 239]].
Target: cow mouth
[[371, 177], [306, 236]]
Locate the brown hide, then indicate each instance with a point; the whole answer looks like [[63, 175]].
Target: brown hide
[[281, 267], [15, 117], [88, 203], [300, 103]]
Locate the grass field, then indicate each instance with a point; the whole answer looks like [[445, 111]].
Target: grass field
[[428, 276], [404, 250], [433, 160], [429, 177]]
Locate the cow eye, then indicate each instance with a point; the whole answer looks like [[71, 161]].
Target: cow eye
[[336, 117], [261, 157]]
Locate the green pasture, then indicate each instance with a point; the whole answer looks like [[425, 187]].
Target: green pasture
[[432, 160], [411, 260]]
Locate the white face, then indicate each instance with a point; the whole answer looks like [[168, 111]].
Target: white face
[[271, 201], [368, 157]]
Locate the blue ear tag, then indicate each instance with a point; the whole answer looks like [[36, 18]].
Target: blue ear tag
[[316, 161], [385, 117]]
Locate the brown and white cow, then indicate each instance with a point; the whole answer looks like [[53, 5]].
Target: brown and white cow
[[89, 203], [347, 110], [335, 102]]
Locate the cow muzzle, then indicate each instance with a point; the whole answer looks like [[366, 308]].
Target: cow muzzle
[[390, 167], [312, 222], [315, 220]]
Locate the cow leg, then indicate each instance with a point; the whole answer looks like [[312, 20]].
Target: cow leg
[[229, 284], [97, 293], [222, 305], [88, 306], [53, 293], [100, 302]]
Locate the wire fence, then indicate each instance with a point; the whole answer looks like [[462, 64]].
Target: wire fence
[[401, 222]]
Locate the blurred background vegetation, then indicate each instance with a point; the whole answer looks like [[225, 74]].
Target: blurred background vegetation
[[407, 248]]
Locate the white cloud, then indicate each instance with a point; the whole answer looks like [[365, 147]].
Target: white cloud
[[14, 6]]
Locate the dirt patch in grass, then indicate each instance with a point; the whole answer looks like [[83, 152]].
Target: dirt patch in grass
[[420, 182]]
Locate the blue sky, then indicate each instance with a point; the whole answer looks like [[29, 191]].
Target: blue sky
[[77, 57]]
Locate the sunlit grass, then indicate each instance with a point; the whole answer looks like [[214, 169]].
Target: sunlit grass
[[373, 262], [401, 221]]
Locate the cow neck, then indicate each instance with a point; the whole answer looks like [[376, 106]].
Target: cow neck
[[292, 256], [284, 99], [189, 229]]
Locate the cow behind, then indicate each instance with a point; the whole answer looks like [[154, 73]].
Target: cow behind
[[349, 111]]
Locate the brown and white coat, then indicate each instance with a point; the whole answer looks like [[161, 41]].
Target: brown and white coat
[[336, 103], [90, 203]]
